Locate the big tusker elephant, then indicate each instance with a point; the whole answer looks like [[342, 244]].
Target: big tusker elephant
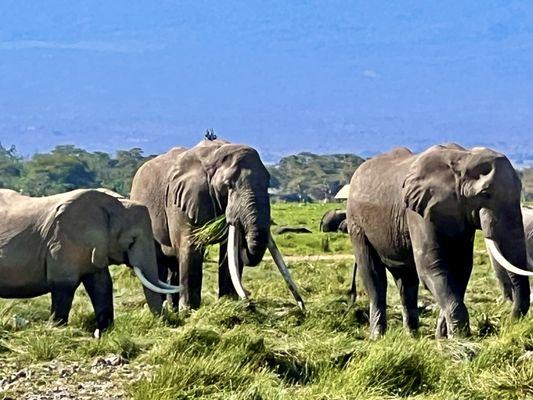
[[416, 214], [185, 189], [504, 279], [52, 244]]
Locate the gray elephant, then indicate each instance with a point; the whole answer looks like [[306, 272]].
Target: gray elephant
[[52, 244], [185, 189], [331, 220], [501, 273], [416, 215]]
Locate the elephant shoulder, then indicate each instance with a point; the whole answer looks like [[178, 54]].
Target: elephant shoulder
[[380, 169], [212, 143], [8, 197], [398, 152], [82, 204]]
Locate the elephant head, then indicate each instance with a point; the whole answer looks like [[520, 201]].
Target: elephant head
[[480, 188], [118, 231], [217, 177]]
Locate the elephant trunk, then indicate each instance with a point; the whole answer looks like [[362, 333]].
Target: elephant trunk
[[254, 219], [505, 239], [142, 258]]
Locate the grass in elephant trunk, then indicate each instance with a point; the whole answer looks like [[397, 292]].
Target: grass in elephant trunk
[[211, 232]]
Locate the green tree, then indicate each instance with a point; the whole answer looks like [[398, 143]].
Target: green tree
[[123, 168], [11, 168], [65, 168]]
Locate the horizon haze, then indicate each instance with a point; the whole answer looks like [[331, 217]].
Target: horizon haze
[[324, 77]]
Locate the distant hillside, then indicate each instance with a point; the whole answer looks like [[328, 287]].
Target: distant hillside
[[527, 183], [313, 176]]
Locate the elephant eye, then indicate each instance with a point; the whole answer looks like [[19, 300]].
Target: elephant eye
[[132, 242]]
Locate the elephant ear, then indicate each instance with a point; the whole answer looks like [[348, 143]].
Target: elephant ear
[[79, 223], [432, 180], [189, 189]]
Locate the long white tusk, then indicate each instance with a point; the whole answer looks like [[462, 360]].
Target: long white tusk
[[149, 285], [500, 259], [233, 263], [280, 263], [165, 285]]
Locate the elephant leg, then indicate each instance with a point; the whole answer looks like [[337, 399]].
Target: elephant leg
[[190, 277], [62, 296], [407, 282], [174, 279], [374, 278], [99, 287], [353, 287], [433, 267], [459, 253], [168, 271]]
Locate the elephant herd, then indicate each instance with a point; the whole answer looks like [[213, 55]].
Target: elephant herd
[[411, 214]]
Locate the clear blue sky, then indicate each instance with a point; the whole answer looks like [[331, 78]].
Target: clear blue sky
[[322, 76]]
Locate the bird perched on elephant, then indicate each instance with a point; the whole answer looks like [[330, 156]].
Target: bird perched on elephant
[[331, 220], [52, 244], [185, 189], [416, 215], [504, 280]]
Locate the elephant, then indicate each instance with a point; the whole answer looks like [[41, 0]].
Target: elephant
[[506, 285], [331, 220], [291, 229], [52, 244], [184, 189], [416, 215]]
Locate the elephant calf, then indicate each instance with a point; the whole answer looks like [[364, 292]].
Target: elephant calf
[[332, 220], [52, 244]]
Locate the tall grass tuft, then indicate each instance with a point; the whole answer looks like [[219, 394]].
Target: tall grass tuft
[[211, 232]]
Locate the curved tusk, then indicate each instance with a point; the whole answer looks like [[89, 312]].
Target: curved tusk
[[165, 285], [233, 263], [280, 263], [500, 259], [149, 285]]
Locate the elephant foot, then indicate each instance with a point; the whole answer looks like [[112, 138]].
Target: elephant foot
[[458, 330], [442, 328], [377, 330], [376, 334]]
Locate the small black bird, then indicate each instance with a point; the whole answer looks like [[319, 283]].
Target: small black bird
[[210, 134]]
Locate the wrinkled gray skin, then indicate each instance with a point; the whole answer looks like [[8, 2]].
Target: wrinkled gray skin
[[331, 220], [416, 214], [185, 188], [52, 244], [503, 277]]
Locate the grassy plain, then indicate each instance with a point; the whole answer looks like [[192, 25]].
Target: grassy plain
[[267, 348]]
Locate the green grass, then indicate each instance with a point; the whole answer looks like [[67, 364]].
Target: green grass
[[267, 348]]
